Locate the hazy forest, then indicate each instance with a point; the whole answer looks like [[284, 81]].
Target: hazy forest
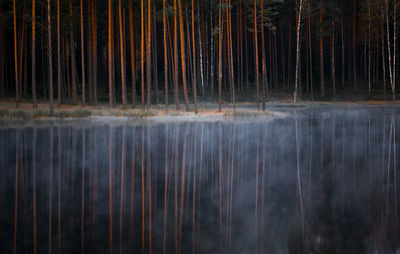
[[141, 53]]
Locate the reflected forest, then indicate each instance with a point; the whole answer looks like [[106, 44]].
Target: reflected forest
[[317, 181]]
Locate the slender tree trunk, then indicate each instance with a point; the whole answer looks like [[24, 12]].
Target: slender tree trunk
[[73, 63], [256, 55], [142, 50], [94, 27], [148, 53], [298, 33], [176, 55], [165, 54], [394, 49], [58, 56], [310, 50], [34, 54], [333, 58], [183, 55], [121, 40], [90, 52], [132, 49], [231, 55], [321, 50], [50, 58], [82, 56], [354, 46], [200, 49], [264, 68], [194, 62], [16, 56], [391, 71], [383, 56], [155, 61], [220, 32], [343, 56], [110, 56], [369, 47]]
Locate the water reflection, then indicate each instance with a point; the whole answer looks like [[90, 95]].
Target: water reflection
[[319, 181]]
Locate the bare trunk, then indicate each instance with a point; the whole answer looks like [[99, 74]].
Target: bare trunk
[[200, 50], [50, 58], [132, 49], [16, 56], [183, 54], [148, 53], [333, 58], [298, 49], [73, 63], [58, 56], [82, 56], [110, 56], [256, 55], [165, 55], [220, 56], [121, 40], [321, 51], [194, 62], [264, 68], [34, 54], [142, 50]]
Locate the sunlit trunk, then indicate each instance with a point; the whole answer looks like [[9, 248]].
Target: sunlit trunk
[[50, 55]]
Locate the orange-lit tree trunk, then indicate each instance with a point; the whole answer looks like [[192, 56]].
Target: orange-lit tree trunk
[[183, 54], [132, 44], [165, 55], [34, 54], [82, 56], [16, 56], [148, 53], [110, 55], [194, 62], [121, 40], [50, 58]]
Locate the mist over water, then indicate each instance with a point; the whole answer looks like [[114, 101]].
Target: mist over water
[[320, 180]]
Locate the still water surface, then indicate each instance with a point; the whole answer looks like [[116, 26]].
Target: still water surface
[[320, 180]]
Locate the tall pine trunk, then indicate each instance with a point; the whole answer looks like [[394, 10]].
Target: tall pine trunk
[[121, 40], [148, 53], [296, 81], [73, 60], [49, 47], [194, 62], [132, 49], [82, 56], [256, 55], [183, 55], [58, 56], [34, 54], [110, 56], [16, 55], [321, 49], [165, 54]]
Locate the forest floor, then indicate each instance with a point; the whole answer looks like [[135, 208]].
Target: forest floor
[[207, 108]]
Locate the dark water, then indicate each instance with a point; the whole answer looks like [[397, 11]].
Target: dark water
[[317, 181]]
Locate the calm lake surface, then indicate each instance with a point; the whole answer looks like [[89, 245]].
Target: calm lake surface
[[320, 180]]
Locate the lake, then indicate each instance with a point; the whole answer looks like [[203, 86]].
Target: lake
[[312, 180]]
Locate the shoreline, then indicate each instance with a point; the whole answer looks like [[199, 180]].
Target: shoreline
[[207, 111]]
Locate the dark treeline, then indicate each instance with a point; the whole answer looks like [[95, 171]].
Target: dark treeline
[[133, 52]]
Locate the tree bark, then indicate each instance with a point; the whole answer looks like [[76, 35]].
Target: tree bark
[[194, 62], [183, 55], [148, 52], [110, 56], [73, 62], [298, 49], [256, 55], [132, 44], [165, 55], [16, 55], [82, 56], [321, 50], [50, 58], [34, 103], [121, 40], [58, 56]]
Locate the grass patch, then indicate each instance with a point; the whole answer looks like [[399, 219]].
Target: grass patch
[[13, 114], [238, 113], [141, 113], [40, 114], [79, 113]]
